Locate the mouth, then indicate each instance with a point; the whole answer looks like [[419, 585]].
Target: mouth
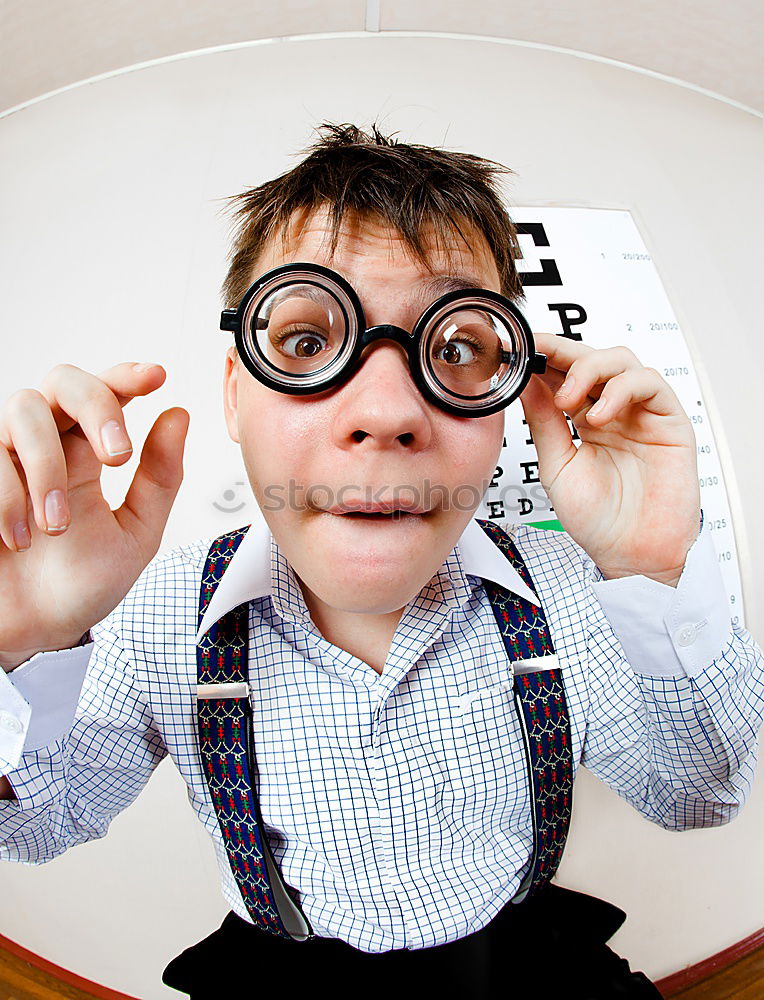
[[381, 511], [376, 515]]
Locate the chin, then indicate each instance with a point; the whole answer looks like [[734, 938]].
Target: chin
[[364, 566], [367, 597], [367, 582]]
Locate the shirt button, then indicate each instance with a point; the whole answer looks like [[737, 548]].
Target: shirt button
[[686, 635], [10, 723]]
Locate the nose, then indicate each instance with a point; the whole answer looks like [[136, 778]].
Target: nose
[[380, 406]]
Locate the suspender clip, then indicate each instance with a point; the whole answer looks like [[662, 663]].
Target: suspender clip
[[535, 663], [235, 690]]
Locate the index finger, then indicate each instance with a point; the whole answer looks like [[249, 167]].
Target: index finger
[[67, 387], [560, 351]]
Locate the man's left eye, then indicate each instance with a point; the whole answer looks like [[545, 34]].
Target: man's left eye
[[304, 344], [455, 353]]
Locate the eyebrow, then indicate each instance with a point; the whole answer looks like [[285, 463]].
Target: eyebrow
[[436, 285], [439, 284], [426, 292]]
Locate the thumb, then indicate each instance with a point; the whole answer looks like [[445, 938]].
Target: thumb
[[156, 481], [549, 429]]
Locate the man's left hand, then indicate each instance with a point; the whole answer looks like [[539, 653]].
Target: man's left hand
[[629, 494]]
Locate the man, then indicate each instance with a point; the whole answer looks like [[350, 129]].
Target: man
[[390, 769]]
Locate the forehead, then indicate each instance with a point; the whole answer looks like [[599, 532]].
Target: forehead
[[370, 247]]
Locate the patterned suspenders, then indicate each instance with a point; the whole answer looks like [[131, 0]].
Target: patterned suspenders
[[224, 715]]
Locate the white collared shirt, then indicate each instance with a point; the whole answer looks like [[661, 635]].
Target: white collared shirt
[[395, 804]]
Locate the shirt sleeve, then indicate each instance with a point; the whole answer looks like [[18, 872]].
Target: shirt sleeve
[[68, 790], [38, 701], [678, 630], [676, 693]]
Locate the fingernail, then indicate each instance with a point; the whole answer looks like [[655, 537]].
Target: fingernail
[[598, 407], [144, 366], [567, 387], [56, 514], [21, 537], [115, 440]]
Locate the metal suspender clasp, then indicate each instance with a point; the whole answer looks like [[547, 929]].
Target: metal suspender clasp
[[535, 663], [233, 690]]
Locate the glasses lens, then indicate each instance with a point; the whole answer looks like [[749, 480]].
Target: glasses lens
[[298, 330], [473, 353]]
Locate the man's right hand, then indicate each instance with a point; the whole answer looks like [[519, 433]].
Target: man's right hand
[[82, 557]]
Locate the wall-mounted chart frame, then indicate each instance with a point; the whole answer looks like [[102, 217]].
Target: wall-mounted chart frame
[[588, 275]]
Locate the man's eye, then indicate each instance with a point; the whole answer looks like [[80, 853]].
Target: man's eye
[[300, 343], [458, 352]]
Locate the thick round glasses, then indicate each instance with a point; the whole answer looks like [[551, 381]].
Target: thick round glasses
[[300, 329]]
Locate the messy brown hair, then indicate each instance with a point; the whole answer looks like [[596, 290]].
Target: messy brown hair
[[405, 185]]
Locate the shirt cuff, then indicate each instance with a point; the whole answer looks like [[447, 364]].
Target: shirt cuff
[[15, 715], [38, 701], [38, 781], [671, 631]]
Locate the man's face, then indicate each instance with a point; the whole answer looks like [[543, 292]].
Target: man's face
[[375, 436]]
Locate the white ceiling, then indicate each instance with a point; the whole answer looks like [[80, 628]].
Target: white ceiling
[[47, 44]]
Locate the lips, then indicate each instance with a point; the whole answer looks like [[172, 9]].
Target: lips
[[391, 508]]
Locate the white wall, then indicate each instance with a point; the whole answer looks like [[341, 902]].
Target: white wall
[[113, 250]]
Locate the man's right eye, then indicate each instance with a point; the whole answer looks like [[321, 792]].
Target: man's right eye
[[300, 343]]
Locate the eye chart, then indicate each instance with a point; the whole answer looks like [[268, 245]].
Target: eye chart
[[587, 275]]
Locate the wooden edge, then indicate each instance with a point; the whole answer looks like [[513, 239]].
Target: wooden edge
[[715, 963], [690, 976], [70, 978]]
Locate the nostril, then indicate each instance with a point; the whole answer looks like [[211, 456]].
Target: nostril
[[406, 438]]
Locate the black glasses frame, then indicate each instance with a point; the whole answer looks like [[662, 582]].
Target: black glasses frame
[[233, 321]]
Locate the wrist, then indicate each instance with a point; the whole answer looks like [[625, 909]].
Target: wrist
[[10, 661], [671, 579]]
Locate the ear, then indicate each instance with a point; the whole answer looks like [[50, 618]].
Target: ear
[[231, 393]]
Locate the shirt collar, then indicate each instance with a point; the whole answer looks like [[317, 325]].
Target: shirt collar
[[248, 575]]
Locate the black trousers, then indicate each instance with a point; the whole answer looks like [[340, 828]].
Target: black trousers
[[549, 946]]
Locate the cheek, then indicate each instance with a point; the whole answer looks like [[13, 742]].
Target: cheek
[[278, 435], [475, 447]]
